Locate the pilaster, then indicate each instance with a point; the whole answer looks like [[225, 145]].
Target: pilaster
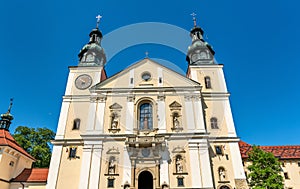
[[95, 166], [130, 115], [85, 167], [62, 120], [190, 120], [54, 167], [161, 114]]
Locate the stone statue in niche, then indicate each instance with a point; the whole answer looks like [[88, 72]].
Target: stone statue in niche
[[222, 175], [111, 166], [114, 122], [176, 122], [179, 164]]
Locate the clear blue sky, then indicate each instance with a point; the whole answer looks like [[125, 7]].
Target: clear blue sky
[[257, 41]]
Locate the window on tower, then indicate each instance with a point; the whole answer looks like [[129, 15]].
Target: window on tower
[[214, 123], [72, 153], [76, 124], [145, 117], [207, 82]]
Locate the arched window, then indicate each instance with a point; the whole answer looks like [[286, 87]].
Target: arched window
[[76, 124], [214, 123], [145, 117], [207, 82]]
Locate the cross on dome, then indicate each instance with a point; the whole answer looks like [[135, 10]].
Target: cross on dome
[[98, 20], [194, 18]]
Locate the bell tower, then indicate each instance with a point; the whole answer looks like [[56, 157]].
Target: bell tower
[[77, 109], [223, 140]]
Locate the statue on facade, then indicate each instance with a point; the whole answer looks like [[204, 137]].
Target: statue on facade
[[176, 122], [114, 124], [179, 165], [222, 175], [111, 167]]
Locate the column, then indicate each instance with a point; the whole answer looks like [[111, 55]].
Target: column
[[54, 167], [91, 115], [100, 115], [126, 167], [161, 112], [130, 115], [195, 165], [132, 174], [164, 169], [200, 126], [229, 119], [236, 159], [157, 181], [205, 166], [189, 114], [85, 166], [62, 120], [96, 165]]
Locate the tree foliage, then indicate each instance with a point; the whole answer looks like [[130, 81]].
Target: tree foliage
[[36, 141], [264, 170]]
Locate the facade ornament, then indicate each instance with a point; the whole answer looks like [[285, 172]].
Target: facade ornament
[[222, 175], [179, 164], [111, 167], [161, 97]]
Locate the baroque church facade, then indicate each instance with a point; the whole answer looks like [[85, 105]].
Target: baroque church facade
[[147, 126]]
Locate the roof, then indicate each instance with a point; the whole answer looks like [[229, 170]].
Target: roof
[[282, 152], [32, 175], [7, 140]]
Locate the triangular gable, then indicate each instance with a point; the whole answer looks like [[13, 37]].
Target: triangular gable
[[115, 106], [108, 83]]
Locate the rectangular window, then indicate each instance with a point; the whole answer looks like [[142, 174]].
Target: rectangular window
[[72, 153], [207, 82], [160, 80], [298, 163], [219, 150], [131, 80], [110, 183], [180, 182], [286, 176]]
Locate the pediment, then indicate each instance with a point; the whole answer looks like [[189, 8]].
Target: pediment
[[115, 106], [160, 77], [175, 105]]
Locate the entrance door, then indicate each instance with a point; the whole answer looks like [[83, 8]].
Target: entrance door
[[145, 180]]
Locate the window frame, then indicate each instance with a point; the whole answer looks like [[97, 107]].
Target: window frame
[[110, 183], [207, 82], [214, 123], [180, 181], [142, 113], [76, 124]]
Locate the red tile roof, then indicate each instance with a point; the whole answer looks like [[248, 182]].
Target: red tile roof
[[282, 152], [32, 175], [7, 140]]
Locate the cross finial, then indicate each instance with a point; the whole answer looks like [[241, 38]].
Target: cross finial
[[98, 20], [146, 53], [10, 105], [194, 18]]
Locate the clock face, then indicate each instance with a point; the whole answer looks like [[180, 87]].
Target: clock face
[[83, 81]]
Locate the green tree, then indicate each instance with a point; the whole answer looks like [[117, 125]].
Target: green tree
[[264, 170], [36, 141]]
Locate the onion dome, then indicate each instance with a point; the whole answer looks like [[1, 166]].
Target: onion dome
[[6, 118], [92, 54], [199, 52]]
